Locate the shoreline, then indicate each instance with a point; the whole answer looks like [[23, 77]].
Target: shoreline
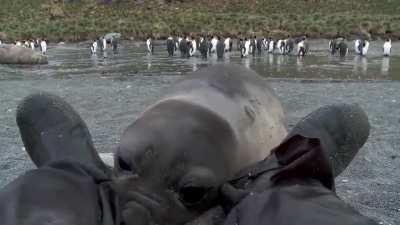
[[163, 38]]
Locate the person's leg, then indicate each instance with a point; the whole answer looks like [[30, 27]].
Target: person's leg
[[52, 130], [295, 184], [60, 193], [298, 188], [72, 185], [342, 129]]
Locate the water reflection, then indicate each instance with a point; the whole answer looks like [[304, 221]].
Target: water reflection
[[271, 60], [246, 62], [93, 58], [148, 60], [364, 64], [72, 60], [279, 62], [299, 64], [194, 65], [385, 66], [360, 66]]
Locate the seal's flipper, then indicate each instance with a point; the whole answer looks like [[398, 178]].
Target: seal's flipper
[[342, 128], [52, 130]]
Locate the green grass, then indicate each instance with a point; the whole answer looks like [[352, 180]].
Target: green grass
[[23, 19]]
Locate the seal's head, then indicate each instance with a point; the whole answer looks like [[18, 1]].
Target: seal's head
[[171, 162]]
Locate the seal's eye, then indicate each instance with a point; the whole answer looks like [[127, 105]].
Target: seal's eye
[[191, 195]]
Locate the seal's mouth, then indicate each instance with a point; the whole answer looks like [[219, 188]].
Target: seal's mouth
[[141, 209], [144, 200], [141, 205], [146, 209], [129, 189]]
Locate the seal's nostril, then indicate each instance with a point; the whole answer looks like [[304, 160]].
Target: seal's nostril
[[192, 195], [123, 165]]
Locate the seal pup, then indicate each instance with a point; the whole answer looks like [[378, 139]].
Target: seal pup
[[53, 132], [172, 159]]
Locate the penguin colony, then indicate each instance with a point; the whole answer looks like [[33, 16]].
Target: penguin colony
[[205, 47], [37, 44]]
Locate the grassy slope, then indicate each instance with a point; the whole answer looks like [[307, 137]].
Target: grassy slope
[[21, 19]]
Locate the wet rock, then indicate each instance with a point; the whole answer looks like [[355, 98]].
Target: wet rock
[[11, 54], [109, 36]]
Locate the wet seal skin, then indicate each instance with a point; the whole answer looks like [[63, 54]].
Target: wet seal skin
[[207, 127]]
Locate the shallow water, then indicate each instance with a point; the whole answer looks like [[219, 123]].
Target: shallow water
[[74, 60]]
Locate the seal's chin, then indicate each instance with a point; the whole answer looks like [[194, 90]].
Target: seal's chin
[[135, 214], [139, 209], [143, 205], [142, 209]]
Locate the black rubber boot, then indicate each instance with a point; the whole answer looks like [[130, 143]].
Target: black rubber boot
[[342, 129], [52, 130]]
